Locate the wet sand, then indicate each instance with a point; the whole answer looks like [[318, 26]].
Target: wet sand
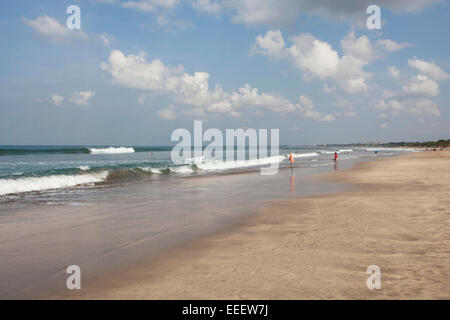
[[132, 223], [397, 217]]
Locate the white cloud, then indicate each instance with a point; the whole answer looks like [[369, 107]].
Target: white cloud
[[429, 68], [50, 28], [106, 39], [414, 106], [422, 106], [317, 59], [193, 90], [170, 24], [326, 89], [278, 13], [394, 72], [306, 107], [56, 99], [81, 98], [271, 44], [151, 5], [360, 48], [390, 45], [347, 107], [342, 103], [167, 114], [383, 126], [208, 6], [421, 85]]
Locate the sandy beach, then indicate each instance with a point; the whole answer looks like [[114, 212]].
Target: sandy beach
[[396, 217]]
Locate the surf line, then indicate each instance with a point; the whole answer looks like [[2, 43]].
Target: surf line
[[257, 144]]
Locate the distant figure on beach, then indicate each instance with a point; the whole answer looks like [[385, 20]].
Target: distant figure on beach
[[335, 156], [291, 159]]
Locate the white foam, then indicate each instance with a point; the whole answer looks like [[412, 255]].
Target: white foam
[[111, 150], [182, 169], [149, 169], [217, 165], [84, 168], [305, 155], [9, 186], [337, 151], [393, 149]]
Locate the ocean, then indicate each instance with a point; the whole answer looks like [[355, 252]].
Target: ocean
[[79, 174]]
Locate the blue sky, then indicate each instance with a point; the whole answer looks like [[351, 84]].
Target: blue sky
[[139, 69]]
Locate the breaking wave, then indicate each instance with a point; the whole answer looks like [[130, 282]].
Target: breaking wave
[[305, 155], [111, 150], [9, 186], [217, 165]]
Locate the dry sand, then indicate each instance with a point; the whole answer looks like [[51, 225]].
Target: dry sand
[[396, 217]]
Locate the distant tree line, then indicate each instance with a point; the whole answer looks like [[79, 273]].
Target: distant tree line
[[430, 144]]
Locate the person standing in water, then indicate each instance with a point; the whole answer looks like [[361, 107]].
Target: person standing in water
[[291, 159], [335, 162]]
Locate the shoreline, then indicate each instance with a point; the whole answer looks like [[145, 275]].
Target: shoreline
[[137, 223], [316, 247]]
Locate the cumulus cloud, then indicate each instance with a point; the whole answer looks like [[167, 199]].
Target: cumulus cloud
[[193, 90], [421, 85], [346, 106], [56, 99], [418, 106], [327, 89], [271, 44], [50, 28], [150, 5], [390, 45], [429, 68], [278, 13], [81, 98], [208, 6], [166, 114], [317, 59], [394, 72], [308, 110], [414, 97], [105, 39]]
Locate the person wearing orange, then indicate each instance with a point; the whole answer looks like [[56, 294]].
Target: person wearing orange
[[291, 159]]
